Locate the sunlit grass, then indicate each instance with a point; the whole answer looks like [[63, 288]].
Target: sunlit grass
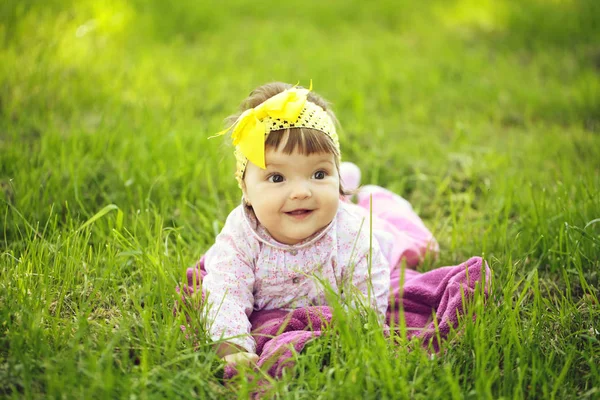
[[485, 115]]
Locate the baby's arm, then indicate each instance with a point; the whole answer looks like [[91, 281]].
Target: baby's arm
[[373, 280], [229, 286]]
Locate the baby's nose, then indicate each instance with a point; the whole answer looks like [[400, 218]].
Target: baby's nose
[[300, 190]]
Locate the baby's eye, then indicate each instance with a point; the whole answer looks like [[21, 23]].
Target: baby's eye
[[320, 175], [276, 178]]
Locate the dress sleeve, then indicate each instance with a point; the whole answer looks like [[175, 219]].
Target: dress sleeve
[[229, 285], [373, 280]]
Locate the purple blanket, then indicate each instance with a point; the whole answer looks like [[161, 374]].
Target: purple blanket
[[425, 299]]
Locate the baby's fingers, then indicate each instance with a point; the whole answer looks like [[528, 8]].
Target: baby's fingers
[[241, 359], [252, 359]]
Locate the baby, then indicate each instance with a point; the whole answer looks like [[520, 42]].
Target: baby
[[295, 223]]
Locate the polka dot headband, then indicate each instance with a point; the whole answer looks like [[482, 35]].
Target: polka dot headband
[[288, 109]]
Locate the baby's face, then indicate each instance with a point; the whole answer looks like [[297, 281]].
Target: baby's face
[[295, 196]]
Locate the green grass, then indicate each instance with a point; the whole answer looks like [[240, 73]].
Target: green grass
[[484, 114]]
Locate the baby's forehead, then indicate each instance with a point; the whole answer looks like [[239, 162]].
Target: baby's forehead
[[275, 157]]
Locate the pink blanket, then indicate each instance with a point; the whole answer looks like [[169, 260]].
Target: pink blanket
[[425, 297]]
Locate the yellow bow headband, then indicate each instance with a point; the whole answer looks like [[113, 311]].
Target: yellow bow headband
[[288, 109]]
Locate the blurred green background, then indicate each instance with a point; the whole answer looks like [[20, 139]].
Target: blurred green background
[[484, 114], [112, 101]]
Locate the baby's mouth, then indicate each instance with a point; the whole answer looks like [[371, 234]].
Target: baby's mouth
[[299, 213]]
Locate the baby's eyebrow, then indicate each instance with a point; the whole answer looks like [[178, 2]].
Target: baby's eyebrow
[[272, 164], [325, 162], [284, 164]]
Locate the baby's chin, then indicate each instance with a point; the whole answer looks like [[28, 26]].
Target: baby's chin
[[295, 239]]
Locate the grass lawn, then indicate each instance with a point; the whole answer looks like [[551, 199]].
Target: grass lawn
[[484, 114]]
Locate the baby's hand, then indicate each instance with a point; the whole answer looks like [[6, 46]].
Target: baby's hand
[[241, 358]]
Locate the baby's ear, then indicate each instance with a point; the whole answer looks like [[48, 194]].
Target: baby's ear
[[245, 194]]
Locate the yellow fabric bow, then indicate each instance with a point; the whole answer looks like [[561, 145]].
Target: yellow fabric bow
[[250, 131]]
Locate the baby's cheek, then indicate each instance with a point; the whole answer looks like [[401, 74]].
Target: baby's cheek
[[263, 212], [333, 204]]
